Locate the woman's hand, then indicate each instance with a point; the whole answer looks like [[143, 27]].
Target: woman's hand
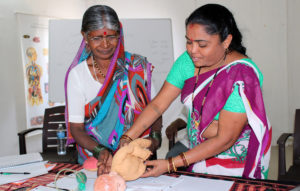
[[104, 162], [155, 168], [123, 142]]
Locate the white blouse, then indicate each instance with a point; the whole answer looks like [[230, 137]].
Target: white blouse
[[83, 88]]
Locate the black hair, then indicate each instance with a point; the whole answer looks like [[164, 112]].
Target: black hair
[[100, 16], [218, 20]]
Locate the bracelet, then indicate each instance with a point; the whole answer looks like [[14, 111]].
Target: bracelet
[[185, 161], [168, 167], [126, 138], [97, 149], [157, 136], [171, 165], [174, 167]]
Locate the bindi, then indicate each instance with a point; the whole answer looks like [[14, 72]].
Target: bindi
[[191, 25]]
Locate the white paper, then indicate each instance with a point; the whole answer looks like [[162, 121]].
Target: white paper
[[43, 188], [70, 182], [161, 183], [35, 169], [152, 183], [14, 160], [196, 183]]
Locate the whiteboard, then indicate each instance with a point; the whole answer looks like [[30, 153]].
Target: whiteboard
[[151, 38]]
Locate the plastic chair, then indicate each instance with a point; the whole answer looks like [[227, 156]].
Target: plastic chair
[[52, 118], [293, 173]]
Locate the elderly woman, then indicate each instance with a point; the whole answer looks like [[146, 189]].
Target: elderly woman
[[228, 130], [106, 89]]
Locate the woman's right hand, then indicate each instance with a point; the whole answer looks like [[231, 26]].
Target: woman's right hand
[[104, 162], [123, 142], [155, 168]]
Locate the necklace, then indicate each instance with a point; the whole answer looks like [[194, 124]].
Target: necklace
[[98, 68], [197, 122], [94, 69]]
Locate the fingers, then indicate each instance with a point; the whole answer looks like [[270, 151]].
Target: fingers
[[108, 165], [123, 142], [151, 171], [104, 162], [148, 173], [155, 168]]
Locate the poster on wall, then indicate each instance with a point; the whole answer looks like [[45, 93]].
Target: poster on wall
[[33, 36]]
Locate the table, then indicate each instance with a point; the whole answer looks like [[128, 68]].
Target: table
[[240, 184]]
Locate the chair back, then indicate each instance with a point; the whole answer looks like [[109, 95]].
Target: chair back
[[296, 143], [52, 118]]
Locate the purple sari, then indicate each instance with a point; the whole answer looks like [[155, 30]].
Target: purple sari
[[249, 156]]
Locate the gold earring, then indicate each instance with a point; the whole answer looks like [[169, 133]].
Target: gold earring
[[226, 51]]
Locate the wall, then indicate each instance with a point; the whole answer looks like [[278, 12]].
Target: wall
[[12, 111], [293, 57], [269, 32]]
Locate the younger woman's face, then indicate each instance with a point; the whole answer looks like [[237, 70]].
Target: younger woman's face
[[205, 50]]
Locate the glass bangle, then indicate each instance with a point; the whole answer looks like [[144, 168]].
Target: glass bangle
[[97, 149]]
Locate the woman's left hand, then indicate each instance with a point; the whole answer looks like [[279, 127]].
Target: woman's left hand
[[155, 168], [104, 162]]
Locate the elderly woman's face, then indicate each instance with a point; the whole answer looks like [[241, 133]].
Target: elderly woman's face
[[103, 43], [205, 50]]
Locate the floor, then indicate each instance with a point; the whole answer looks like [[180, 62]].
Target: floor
[[273, 172]]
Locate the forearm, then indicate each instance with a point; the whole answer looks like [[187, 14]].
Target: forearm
[[81, 137], [154, 109], [201, 152], [228, 130], [149, 115]]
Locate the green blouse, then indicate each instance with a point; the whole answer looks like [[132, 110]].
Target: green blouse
[[183, 69]]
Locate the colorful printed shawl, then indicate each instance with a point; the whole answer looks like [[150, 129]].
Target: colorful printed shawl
[[126, 92], [249, 156]]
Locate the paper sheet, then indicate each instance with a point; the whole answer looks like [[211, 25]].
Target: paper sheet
[[70, 182], [161, 183], [35, 169], [152, 183], [196, 183], [14, 160]]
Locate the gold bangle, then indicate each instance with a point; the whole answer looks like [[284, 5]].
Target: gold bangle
[[174, 167], [185, 159], [168, 167], [170, 164], [182, 158]]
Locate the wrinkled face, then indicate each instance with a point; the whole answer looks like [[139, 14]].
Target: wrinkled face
[[205, 50], [103, 43]]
